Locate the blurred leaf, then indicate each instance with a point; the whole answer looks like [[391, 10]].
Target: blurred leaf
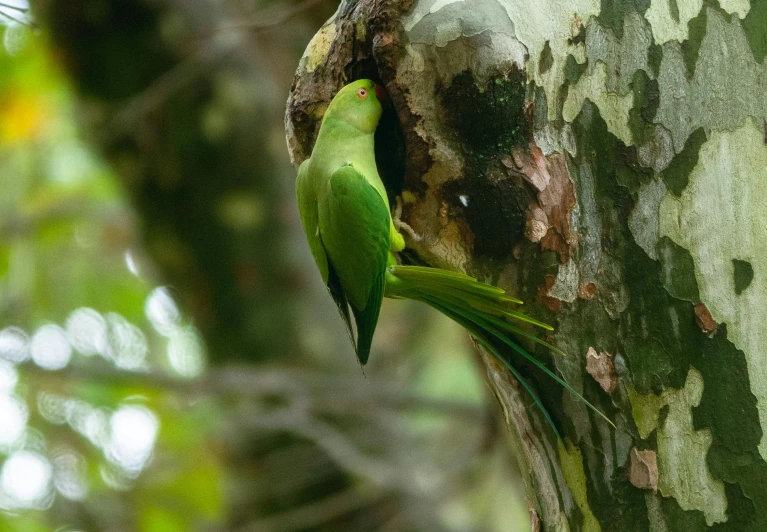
[[159, 519], [23, 523]]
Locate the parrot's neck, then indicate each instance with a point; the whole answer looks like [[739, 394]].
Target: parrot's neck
[[340, 143]]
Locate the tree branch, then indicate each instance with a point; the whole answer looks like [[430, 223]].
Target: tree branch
[[258, 24], [317, 513], [31, 25], [254, 383], [14, 8]]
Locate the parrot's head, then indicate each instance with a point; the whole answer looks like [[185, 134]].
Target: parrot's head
[[358, 104]]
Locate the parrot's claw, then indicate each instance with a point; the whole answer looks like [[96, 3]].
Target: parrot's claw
[[399, 225], [402, 226]]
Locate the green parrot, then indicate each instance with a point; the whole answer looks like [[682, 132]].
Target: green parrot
[[346, 216]]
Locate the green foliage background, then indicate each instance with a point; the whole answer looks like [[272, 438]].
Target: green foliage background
[[263, 419]]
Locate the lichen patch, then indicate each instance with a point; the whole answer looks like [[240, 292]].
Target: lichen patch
[[682, 470], [319, 46], [571, 461]]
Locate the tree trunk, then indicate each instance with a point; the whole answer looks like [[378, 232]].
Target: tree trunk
[[607, 164]]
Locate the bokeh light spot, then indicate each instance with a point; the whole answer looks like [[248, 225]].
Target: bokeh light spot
[[13, 419], [162, 311], [133, 431], [127, 343], [93, 423], [14, 345], [50, 348], [69, 474], [69, 164], [53, 407], [8, 377], [25, 480], [130, 262], [15, 38], [186, 352], [87, 331]]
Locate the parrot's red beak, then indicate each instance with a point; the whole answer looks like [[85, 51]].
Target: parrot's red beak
[[381, 93]]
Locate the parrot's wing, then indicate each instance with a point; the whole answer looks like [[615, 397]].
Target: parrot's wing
[[354, 229], [308, 210]]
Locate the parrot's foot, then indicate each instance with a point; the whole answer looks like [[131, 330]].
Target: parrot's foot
[[399, 225]]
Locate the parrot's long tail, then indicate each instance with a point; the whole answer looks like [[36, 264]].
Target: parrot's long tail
[[482, 310]]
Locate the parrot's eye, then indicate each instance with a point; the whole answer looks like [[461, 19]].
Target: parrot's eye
[[362, 93]]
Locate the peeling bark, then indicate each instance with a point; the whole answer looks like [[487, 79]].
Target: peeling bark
[[606, 163], [643, 472], [601, 367]]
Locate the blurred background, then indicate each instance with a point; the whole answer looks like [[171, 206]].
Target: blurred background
[[169, 357]]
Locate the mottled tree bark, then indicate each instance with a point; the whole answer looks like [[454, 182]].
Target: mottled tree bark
[[607, 164]]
